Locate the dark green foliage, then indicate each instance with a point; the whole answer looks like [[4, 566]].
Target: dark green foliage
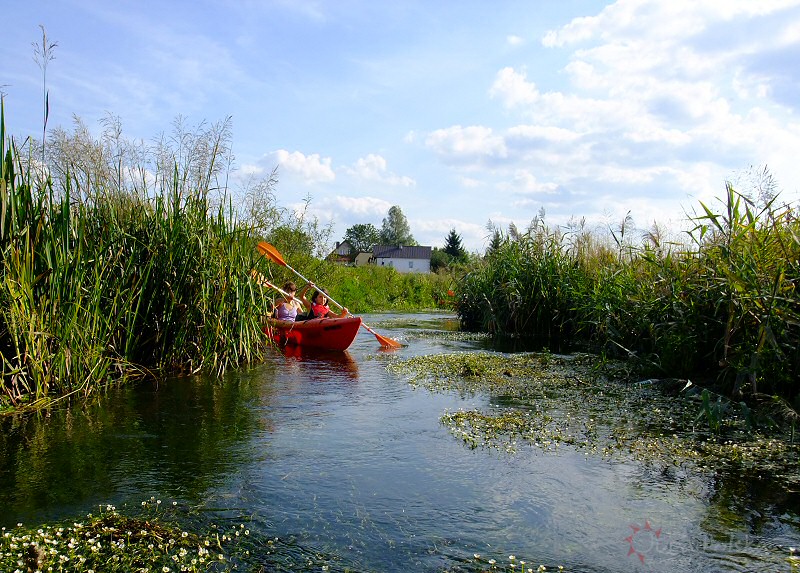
[[439, 260], [454, 248], [362, 237], [525, 287]]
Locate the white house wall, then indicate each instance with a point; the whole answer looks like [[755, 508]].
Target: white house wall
[[406, 265]]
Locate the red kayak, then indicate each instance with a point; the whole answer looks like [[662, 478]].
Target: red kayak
[[324, 333]]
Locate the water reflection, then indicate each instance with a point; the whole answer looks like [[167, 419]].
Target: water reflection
[[174, 439], [325, 362]]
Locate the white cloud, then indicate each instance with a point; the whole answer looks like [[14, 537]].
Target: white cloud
[[373, 168], [545, 133], [513, 88], [514, 40], [524, 181], [362, 206], [433, 232], [470, 143], [310, 168]]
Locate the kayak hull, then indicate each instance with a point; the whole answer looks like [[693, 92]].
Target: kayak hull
[[322, 333]]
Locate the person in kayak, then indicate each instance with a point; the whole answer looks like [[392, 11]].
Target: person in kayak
[[318, 305], [288, 307]]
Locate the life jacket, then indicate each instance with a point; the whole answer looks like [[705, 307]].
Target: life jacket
[[320, 310]]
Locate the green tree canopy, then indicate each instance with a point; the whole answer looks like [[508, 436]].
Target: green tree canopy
[[362, 237], [454, 248], [395, 229]]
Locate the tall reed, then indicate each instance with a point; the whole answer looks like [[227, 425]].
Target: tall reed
[[723, 305], [106, 276]]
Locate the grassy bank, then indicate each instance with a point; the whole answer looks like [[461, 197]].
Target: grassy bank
[[371, 288], [723, 304]]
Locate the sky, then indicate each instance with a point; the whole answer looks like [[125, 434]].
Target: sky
[[463, 113]]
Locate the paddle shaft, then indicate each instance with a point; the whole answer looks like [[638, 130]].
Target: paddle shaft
[[295, 271]]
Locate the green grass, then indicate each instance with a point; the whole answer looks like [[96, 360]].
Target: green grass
[[371, 288]]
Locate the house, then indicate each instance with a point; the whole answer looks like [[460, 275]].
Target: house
[[364, 258], [341, 254], [404, 259]]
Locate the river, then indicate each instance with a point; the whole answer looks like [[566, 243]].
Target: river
[[337, 456]]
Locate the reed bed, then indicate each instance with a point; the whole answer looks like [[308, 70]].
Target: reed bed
[[113, 270], [723, 305]]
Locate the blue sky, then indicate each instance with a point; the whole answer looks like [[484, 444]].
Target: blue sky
[[460, 112]]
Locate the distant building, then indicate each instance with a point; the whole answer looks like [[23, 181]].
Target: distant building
[[341, 254], [402, 258], [363, 258]]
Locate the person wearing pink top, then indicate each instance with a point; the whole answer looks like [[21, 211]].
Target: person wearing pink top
[[288, 307]]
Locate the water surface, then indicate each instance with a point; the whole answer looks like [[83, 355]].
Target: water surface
[[343, 458]]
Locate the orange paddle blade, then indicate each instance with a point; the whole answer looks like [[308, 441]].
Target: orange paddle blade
[[271, 253], [385, 341]]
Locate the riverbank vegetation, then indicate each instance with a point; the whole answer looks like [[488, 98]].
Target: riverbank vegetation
[[721, 306], [122, 260], [377, 289]]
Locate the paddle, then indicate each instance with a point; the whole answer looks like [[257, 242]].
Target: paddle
[[262, 280], [274, 255]]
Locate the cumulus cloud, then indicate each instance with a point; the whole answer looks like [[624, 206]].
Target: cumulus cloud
[[373, 168], [658, 100], [433, 232], [362, 206], [310, 168], [513, 88], [463, 144]]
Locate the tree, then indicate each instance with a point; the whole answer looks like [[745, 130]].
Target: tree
[[395, 229], [439, 259], [362, 237], [496, 242], [454, 248]]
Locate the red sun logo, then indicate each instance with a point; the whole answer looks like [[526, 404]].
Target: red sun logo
[[640, 537]]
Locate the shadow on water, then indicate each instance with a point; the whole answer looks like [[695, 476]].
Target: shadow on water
[[334, 454]]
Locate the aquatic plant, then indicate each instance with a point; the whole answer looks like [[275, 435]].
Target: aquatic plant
[[110, 541], [548, 401], [166, 537]]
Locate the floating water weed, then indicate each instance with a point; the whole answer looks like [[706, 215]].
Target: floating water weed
[[548, 401], [514, 565]]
